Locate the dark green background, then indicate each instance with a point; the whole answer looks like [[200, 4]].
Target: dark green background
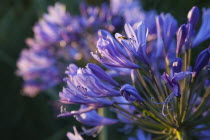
[[23, 118]]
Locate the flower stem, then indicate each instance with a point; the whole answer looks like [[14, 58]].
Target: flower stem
[[104, 133]]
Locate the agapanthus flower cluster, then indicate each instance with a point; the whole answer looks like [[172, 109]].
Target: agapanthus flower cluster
[[166, 93], [61, 38]]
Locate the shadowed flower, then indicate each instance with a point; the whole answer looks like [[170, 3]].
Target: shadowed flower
[[204, 31], [202, 60]]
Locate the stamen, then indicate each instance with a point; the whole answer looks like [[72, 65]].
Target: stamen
[[165, 103], [156, 102]]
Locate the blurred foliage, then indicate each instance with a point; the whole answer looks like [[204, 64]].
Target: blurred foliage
[[23, 118]]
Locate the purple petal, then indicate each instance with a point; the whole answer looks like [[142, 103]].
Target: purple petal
[[101, 74]]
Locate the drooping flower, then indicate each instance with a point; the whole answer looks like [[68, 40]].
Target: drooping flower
[[130, 93]]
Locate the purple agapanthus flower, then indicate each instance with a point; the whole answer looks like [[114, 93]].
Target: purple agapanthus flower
[[57, 26], [66, 38], [143, 59], [111, 53], [101, 17], [88, 87], [37, 69], [135, 43]]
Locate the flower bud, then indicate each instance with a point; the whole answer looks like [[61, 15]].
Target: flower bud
[[181, 36], [202, 60], [193, 16], [130, 93]]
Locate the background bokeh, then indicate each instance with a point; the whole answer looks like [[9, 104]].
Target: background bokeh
[[24, 118]]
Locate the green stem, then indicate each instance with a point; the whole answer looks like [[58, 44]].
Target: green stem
[[104, 133]]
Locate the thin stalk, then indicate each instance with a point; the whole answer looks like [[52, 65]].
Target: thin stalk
[[183, 89], [104, 132], [188, 100], [143, 82]]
